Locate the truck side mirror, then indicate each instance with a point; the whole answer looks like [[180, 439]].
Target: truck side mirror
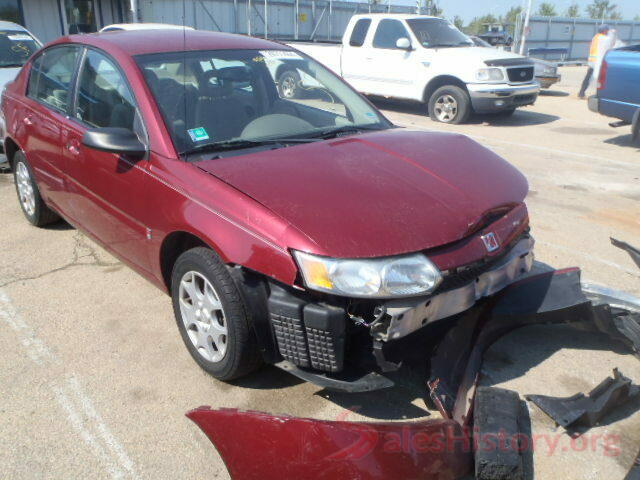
[[403, 43]]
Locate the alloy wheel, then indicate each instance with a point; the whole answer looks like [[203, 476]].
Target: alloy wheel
[[203, 316], [446, 108], [25, 189]]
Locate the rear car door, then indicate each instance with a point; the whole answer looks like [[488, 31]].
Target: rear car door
[[107, 189], [45, 110], [356, 58]]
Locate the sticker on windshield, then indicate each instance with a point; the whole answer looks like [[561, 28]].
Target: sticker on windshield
[[279, 54], [198, 134], [19, 37]]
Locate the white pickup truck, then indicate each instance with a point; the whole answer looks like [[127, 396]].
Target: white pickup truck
[[420, 58]]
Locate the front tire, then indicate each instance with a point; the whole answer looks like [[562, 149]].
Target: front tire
[[449, 104], [212, 316], [31, 202]]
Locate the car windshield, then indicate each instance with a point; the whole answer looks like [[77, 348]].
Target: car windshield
[[437, 32], [16, 47], [225, 99]]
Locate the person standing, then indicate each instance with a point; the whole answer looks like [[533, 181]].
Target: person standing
[[596, 54]]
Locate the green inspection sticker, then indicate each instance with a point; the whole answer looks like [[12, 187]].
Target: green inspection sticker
[[198, 134]]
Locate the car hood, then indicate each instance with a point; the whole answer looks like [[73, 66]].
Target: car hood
[[377, 194], [479, 53]]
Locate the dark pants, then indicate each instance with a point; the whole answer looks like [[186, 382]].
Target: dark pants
[[585, 82]]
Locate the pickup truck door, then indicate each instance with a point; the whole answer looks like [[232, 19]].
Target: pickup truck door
[[384, 68], [107, 190]]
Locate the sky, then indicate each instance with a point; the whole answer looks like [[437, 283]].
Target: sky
[[467, 9]]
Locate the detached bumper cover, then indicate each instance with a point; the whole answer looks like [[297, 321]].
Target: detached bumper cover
[[548, 80], [487, 98]]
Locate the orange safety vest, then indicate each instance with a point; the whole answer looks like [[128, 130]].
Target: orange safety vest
[[595, 47]]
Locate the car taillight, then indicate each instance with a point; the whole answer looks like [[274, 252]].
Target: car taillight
[[602, 78]]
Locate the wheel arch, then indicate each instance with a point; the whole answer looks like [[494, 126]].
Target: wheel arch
[[441, 81], [173, 245], [10, 149]]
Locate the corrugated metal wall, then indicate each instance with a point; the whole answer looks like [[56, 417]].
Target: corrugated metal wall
[[575, 34], [250, 16], [46, 19]]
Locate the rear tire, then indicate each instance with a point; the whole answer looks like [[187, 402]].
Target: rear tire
[[212, 316], [31, 202], [289, 84], [450, 104]]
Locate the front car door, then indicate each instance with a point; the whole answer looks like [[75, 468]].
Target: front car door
[[107, 189], [45, 111], [395, 71]]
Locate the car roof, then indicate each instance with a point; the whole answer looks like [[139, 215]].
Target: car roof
[[4, 25], [399, 16], [144, 26], [139, 42]]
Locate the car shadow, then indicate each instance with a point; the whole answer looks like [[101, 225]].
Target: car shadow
[[623, 141], [554, 93], [521, 117]]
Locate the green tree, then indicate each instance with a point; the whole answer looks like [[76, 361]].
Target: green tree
[[547, 10], [511, 17], [477, 24], [458, 22], [573, 11], [603, 9], [637, 19]]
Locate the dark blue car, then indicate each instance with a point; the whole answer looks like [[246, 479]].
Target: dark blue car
[[619, 88]]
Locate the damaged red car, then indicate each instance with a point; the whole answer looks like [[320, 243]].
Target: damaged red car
[[307, 232]]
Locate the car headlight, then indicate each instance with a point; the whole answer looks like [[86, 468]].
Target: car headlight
[[550, 70], [489, 74], [402, 276]]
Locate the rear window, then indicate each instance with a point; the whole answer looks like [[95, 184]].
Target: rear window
[[51, 75], [359, 32]]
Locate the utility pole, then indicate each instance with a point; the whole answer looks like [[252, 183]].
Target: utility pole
[[133, 8], [525, 27]]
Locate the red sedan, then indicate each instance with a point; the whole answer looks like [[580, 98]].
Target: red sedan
[[307, 232]]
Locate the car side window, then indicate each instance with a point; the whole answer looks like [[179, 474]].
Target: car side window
[[388, 33], [51, 76], [104, 98], [359, 32]]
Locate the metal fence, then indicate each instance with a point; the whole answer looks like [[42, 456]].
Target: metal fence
[[302, 19], [574, 35]]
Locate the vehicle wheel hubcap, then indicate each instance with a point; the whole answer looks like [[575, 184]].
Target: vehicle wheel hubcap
[[446, 108], [25, 189], [203, 316], [288, 86]]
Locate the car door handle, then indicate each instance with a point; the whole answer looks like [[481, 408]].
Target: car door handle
[[27, 120], [73, 149]]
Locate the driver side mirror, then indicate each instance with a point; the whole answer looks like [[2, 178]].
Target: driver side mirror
[[114, 140], [403, 43]]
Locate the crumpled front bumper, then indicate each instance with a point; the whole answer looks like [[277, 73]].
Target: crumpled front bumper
[[409, 315], [487, 98]]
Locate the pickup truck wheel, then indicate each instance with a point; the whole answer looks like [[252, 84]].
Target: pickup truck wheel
[[31, 203], [449, 104], [212, 316], [289, 84]]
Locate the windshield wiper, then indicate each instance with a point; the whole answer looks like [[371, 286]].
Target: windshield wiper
[[241, 143], [347, 129]]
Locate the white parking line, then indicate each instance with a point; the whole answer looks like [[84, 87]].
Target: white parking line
[[79, 409]]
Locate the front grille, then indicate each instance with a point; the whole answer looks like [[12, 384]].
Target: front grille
[[520, 74], [462, 276]]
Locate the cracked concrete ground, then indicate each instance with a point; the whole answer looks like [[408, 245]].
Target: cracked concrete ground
[[95, 379]]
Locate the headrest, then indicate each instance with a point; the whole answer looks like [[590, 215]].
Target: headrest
[[234, 74]]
